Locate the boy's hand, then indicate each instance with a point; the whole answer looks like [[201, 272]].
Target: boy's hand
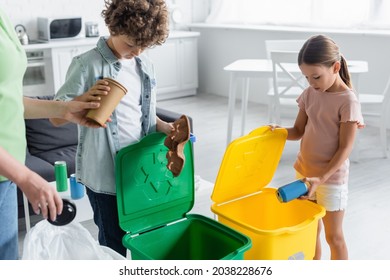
[[95, 92], [165, 127], [76, 110]]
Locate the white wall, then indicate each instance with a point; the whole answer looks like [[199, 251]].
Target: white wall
[[220, 46], [217, 46], [26, 11]]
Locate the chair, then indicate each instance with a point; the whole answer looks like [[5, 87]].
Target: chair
[[375, 109], [281, 45], [246, 69], [288, 84]]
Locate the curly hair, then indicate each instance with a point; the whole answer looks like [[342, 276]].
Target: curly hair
[[144, 21]]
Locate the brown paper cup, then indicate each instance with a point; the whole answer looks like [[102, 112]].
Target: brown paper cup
[[108, 102]]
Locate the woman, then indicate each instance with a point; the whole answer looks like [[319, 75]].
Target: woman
[[14, 108]]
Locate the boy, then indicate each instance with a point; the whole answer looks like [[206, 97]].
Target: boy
[[134, 25]]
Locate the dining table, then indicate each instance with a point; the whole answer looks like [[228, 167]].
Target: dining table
[[247, 69]]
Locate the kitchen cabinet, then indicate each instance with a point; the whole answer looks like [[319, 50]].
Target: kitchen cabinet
[[176, 66], [37, 77], [56, 56], [61, 59], [175, 62]]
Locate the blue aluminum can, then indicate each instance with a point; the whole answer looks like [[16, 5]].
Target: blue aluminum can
[[291, 191], [77, 189]]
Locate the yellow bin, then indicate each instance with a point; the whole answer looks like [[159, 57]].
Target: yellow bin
[[243, 200]]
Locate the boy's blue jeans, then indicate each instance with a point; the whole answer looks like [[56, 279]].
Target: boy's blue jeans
[[105, 215], [9, 248]]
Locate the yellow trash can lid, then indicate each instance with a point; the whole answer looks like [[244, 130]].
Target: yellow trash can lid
[[249, 163]]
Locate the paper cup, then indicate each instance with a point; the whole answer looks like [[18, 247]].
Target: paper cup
[[108, 102]]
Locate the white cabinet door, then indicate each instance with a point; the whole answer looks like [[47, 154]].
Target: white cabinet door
[[176, 66], [189, 63], [166, 61], [61, 59], [175, 62]]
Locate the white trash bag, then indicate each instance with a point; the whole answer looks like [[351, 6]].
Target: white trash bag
[[70, 242]]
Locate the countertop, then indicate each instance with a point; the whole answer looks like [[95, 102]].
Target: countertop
[[82, 41]]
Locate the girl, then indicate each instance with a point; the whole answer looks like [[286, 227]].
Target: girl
[[328, 118]]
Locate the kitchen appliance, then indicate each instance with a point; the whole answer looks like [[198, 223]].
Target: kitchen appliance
[[38, 78], [22, 34], [59, 28], [91, 29]]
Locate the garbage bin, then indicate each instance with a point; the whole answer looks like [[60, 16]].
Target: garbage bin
[[243, 201], [153, 207], [46, 241]]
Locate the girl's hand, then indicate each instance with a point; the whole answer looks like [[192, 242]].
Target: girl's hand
[[312, 184], [273, 126], [95, 92]]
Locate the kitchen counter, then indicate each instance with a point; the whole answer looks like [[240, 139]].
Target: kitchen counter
[[175, 61], [59, 43], [84, 41], [183, 34]]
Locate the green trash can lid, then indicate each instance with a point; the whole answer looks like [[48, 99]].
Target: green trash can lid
[[148, 195]]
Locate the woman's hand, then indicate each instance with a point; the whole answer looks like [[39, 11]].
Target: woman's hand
[[43, 197], [76, 110]]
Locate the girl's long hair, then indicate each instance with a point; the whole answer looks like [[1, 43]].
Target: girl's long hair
[[321, 49]]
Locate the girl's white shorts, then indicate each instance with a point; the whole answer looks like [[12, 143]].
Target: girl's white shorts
[[331, 196]]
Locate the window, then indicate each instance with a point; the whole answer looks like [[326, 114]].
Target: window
[[313, 13]]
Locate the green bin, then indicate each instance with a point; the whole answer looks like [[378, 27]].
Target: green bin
[[153, 207]]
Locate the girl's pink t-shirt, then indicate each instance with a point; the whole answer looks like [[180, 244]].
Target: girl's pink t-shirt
[[325, 111]]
